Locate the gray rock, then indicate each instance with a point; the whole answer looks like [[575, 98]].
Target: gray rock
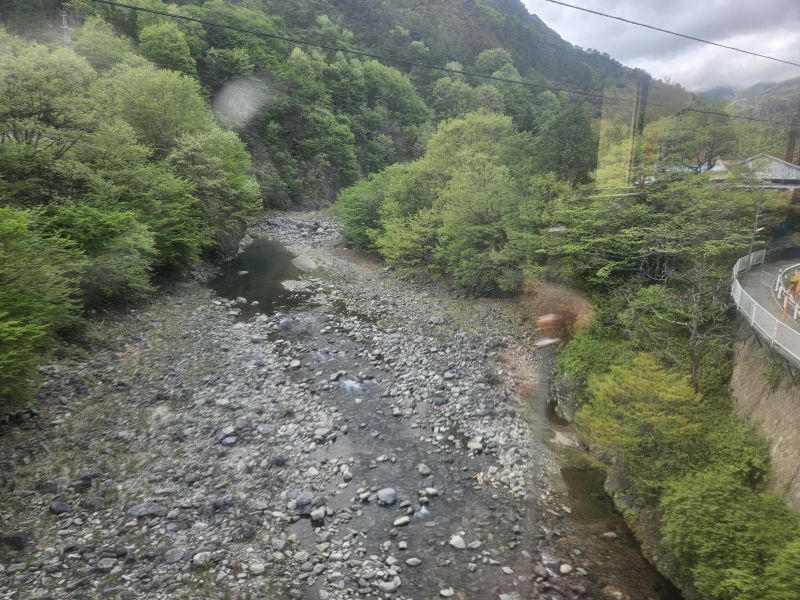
[[59, 507], [104, 565], [318, 514], [457, 542], [174, 555], [565, 569], [413, 562], [147, 509], [423, 469], [401, 521], [446, 592], [16, 567], [387, 496], [258, 568], [202, 558]]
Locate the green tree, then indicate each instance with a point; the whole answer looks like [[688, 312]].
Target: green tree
[[218, 165], [38, 301], [165, 45], [567, 146], [492, 60], [221, 65], [97, 42], [160, 105]]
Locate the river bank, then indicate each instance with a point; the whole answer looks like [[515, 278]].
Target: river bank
[[370, 437]]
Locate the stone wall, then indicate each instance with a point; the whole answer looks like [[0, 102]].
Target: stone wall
[[764, 392]]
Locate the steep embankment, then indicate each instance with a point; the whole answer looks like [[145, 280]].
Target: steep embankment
[[765, 393]]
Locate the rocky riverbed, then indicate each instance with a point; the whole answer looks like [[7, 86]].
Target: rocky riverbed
[[368, 438]]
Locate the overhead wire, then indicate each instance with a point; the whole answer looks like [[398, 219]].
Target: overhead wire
[[409, 63], [675, 33]]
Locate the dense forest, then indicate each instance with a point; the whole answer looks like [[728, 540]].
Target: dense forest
[[146, 144]]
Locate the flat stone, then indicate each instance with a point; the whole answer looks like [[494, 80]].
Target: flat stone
[[104, 565], [202, 558], [174, 555], [401, 521], [507, 570], [258, 568], [457, 542], [446, 592], [565, 569], [147, 509], [413, 562]]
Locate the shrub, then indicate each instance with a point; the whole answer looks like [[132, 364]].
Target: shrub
[[38, 301], [728, 535]]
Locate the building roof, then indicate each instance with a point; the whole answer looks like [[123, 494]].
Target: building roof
[[768, 168]]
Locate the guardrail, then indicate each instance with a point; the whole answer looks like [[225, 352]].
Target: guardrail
[[778, 334]]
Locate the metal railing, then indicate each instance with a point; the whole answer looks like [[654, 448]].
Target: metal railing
[[778, 334]]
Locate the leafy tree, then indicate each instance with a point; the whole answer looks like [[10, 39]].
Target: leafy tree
[[165, 45], [218, 165], [567, 146], [221, 65], [97, 42], [782, 575], [476, 203], [649, 418], [492, 60], [160, 105], [38, 300]]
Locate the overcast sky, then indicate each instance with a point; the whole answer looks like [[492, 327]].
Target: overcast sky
[[769, 27]]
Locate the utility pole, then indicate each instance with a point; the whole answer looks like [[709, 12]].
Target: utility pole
[[65, 30]]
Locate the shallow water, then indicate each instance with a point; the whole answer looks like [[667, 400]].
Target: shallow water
[[268, 264]]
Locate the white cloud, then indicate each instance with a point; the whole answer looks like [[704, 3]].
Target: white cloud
[[769, 27]]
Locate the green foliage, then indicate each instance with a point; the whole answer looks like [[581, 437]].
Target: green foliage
[[567, 146], [38, 300], [588, 355], [782, 575], [218, 165], [118, 250], [97, 42], [650, 418], [490, 61], [160, 105], [728, 536], [165, 45]]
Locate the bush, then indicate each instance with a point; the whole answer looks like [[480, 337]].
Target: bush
[[38, 301], [729, 535], [119, 250]]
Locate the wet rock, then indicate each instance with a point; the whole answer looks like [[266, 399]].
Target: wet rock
[[147, 509]]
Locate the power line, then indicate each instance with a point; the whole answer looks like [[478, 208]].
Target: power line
[[408, 63], [683, 35]]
